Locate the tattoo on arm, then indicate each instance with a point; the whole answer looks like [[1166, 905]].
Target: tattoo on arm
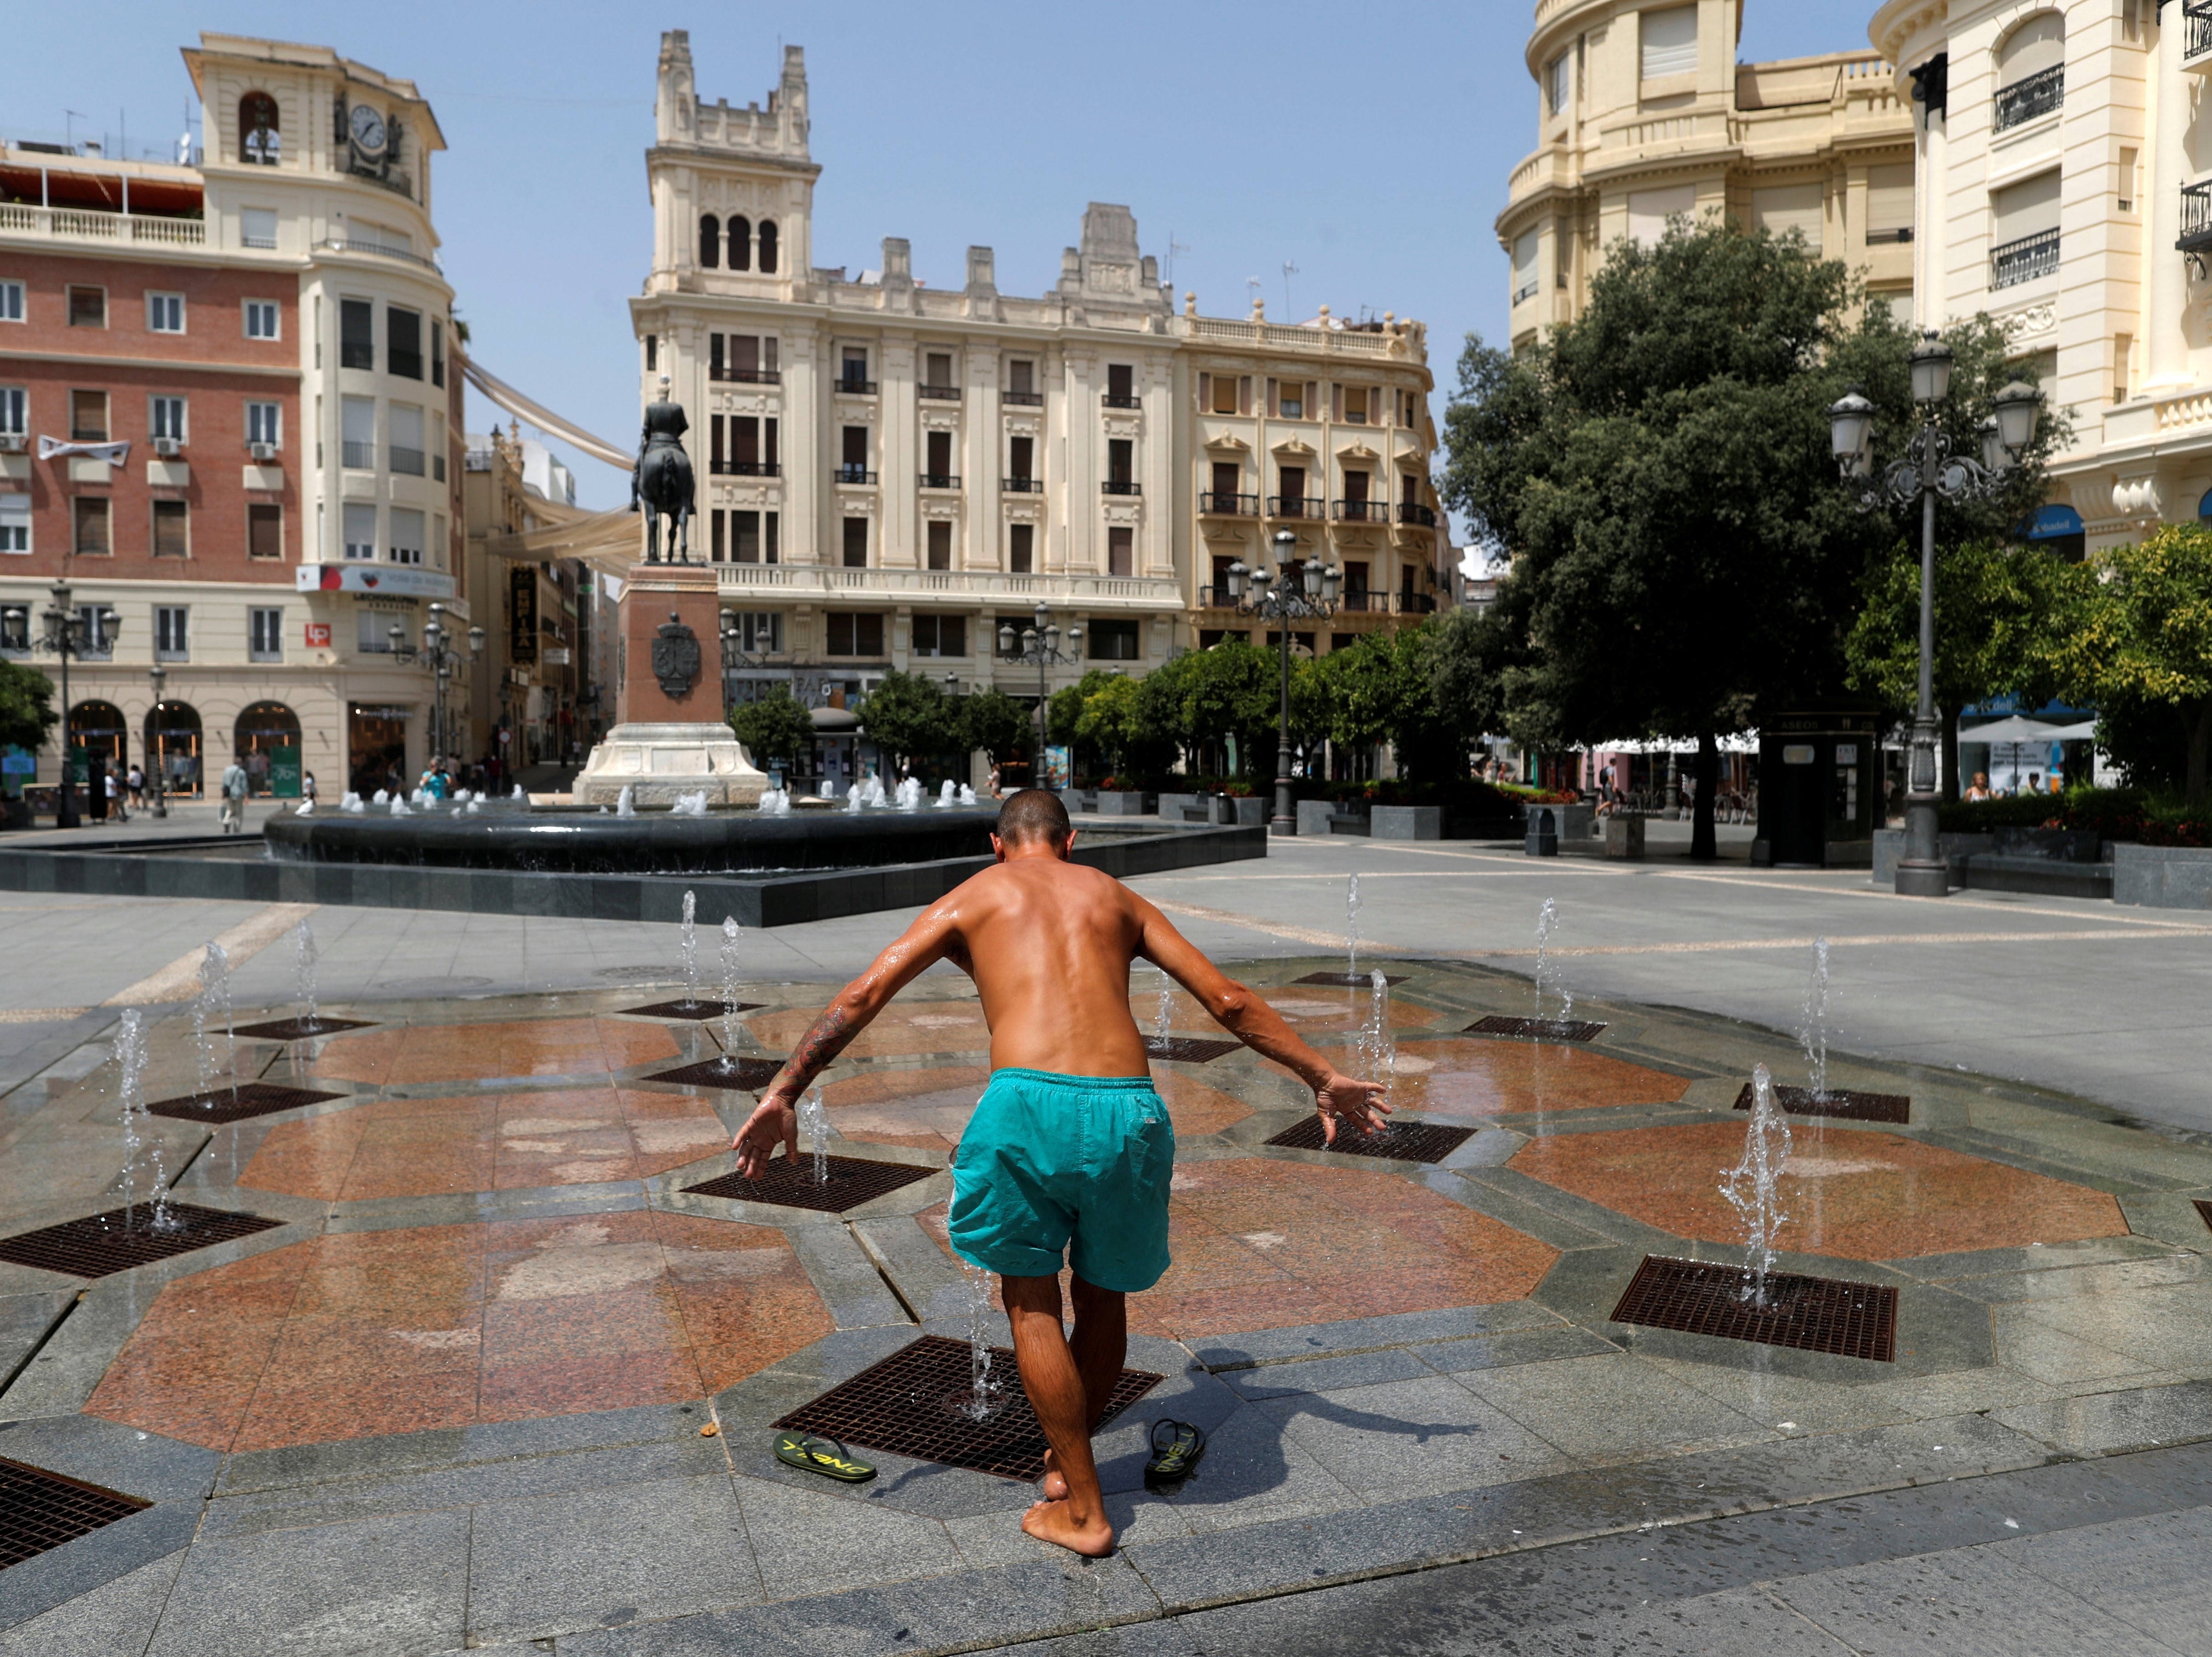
[[820, 1045]]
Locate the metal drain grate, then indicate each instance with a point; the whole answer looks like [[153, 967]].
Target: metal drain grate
[[1534, 1029], [1406, 1141], [700, 1010], [1188, 1049], [251, 1099], [2204, 1208], [852, 1181], [1838, 1101], [1349, 980], [300, 1029], [745, 1075], [122, 1238], [40, 1510], [1815, 1314], [901, 1406]]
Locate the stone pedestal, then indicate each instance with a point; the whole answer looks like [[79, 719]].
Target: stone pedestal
[[670, 738]]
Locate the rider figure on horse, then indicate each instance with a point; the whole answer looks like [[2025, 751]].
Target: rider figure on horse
[[662, 478]]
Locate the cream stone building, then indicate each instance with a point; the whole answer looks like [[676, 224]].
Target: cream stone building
[[255, 341], [889, 471], [2064, 190], [1644, 113]]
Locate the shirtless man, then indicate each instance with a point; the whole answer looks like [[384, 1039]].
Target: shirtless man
[[1069, 1142]]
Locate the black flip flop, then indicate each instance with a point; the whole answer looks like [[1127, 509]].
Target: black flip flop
[[811, 1453], [1172, 1462]]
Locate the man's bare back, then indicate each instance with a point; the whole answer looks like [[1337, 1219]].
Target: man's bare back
[[1048, 943]]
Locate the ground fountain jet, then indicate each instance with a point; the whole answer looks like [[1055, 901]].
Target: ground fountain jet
[[1752, 1187], [690, 937], [814, 1123], [130, 1088], [729, 1058], [1812, 1026], [1547, 970], [984, 1396], [1164, 1014], [1378, 1051], [214, 991], [305, 957]]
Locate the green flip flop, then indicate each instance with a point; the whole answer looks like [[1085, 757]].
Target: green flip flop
[[1171, 1462], [825, 1456]]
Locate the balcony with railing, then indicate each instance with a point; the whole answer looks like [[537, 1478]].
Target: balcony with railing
[[850, 386], [357, 457], [1022, 399], [1121, 400], [1149, 594], [746, 468], [410, 461], [1022, 485], [1294, 506], [853, 475], [2196, 38], [940, 480], [1121, 486], [937, 393], [1215, 504], [347, 245], [2031, 96], [745, 376], [1417, 515], [1527, 290], [1363, 512], [2195, 218], [2024, 259], [79, 224]]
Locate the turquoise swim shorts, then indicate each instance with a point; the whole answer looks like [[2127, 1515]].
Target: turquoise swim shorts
[[1048, 1159]]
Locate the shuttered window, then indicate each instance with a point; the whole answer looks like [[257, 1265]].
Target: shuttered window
[[1670, 40]]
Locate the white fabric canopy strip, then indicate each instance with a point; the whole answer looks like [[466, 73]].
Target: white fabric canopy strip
[[536, 414]]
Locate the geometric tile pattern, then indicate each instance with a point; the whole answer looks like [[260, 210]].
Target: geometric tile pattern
[[463, 1053], [1815, 1314], [908, 1404], [121, 1238], [1513, 1079], [40, 1510]]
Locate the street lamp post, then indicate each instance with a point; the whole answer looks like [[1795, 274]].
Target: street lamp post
[[68, 633], [160, 757], [1290, 591], [1928, 469], [438, 655], [1040, 643]]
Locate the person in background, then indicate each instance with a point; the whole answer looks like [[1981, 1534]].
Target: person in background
[[95, 787], [1980, 788], [115, 795], [135, 780], [308, 787], [233, 786]]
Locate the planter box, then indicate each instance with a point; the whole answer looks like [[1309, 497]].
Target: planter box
[[1321, 817], [1239, 810], [1623, 838], [1078, 800], [1122, 804], [2162, 876], [1406, 822], [1186, 808]]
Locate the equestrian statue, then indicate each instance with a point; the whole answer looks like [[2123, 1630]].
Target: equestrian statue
[[661, 478]]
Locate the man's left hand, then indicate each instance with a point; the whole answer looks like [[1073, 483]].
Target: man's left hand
[[773, 1122]]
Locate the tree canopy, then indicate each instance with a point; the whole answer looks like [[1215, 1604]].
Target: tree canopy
[[2136, 639], [26, 706], [910, 717], [1658, 473], [774, 728]]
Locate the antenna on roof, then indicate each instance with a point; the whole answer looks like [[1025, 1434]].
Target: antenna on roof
[[1289, 271], [1174, 248]]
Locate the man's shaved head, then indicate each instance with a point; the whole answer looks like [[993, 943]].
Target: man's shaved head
[[1033, 814]]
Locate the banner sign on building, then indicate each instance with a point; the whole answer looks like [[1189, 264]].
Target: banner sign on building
[[522, 613], [392, 579]]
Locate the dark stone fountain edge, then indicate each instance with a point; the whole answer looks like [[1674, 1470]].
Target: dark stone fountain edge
[[755, 901]]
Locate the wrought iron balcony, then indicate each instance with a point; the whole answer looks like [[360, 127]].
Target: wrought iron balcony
[[2197, 41], [1526, 290], [360, 457], [938, 393], [2032, 95], [2024, 259], [940, 480], [1022, 485], [746, 468], [1293, 506], [407, 460], [1420, 516], [747, 376], [1120, 486], [851, 387], [1363, 512], [1121, 400], [1216, 505], [1363, 600], [855, 474], [1024, 399], [2195, 219]]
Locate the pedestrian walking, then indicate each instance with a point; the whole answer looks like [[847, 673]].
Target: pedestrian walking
[[233, 786], [308, 787], [116, 793], [136, 782]]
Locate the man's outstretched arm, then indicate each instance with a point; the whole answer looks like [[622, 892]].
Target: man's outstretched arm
[[1248, 1018], [933, 937]]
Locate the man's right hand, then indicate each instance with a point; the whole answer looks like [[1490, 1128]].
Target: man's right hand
[[1358, 1104], [773, 1122]]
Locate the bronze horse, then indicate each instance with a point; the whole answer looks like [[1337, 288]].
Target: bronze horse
[[661, 478]]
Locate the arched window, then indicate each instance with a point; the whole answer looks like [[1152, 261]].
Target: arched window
[[741, 243], [259, 143], [96, 731], [768, 247], [268, 746], [172, 747], [2031, 64], [710, 242]]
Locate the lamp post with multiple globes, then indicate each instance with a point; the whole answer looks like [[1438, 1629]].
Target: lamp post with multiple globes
[[1290, 591]]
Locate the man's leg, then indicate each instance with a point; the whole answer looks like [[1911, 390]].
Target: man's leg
[[1100, 1346], [1054, 1381]]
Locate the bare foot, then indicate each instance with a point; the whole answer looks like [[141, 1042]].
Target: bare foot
[[1051, 1521], [1055, 1483]]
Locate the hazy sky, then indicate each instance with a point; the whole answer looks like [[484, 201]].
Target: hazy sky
[[1372, 158]]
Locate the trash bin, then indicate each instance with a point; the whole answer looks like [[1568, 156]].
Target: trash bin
[[1543, 839]]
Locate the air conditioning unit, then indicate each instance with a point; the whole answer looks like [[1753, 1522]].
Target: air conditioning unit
[[166, 447], [12, 442], [262, 450]]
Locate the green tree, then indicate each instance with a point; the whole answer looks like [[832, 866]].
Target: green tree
[[1658, 473], [994, 722], [909, 718], [26, 706], [774, 728], [1996, 611], [2139, 634]]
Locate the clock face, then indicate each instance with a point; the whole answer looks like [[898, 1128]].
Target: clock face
[[367, 127]]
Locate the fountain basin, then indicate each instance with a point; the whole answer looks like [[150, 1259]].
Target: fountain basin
[[568, 842]]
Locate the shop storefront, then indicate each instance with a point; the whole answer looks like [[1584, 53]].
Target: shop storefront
[[376, 743]]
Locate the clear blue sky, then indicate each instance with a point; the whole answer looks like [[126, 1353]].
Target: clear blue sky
[[1372, 154]]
